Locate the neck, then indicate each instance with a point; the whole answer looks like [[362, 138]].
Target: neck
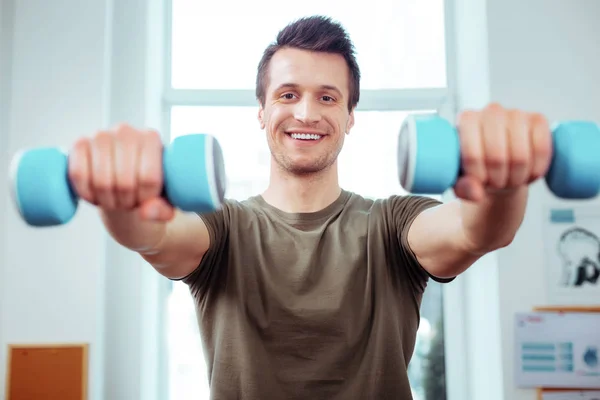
[[302, 193]]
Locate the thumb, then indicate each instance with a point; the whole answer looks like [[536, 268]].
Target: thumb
[[468, 188], [157, 209]]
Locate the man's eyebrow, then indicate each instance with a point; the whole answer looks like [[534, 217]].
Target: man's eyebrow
[[296, 86], [331, 87]]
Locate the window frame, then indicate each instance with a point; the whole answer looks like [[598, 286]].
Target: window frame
[[443, 99], [409, 99]]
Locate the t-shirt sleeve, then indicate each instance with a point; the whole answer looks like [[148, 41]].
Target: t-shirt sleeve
[[405, 209], [206, 274]]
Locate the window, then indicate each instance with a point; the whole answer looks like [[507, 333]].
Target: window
[[399, 43], [401, 49]]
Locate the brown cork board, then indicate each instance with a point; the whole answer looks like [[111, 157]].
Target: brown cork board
[[47, 371]]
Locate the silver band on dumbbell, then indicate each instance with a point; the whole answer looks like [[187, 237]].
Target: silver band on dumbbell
[[407, 153]]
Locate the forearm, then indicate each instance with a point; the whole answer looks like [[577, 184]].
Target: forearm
[[173, 248], [132, 232], [449, 238]]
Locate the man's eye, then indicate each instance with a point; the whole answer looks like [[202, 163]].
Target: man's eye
[[288, 96], [328, 98]]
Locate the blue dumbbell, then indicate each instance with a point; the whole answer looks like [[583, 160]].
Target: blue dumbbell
[[429, 157], [194, 180]]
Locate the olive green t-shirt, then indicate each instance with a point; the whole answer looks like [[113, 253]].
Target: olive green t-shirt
[[321, 305]]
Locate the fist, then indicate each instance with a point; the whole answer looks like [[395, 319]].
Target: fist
[[501, 149], [121, 169]]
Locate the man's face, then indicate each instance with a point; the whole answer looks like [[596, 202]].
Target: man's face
[[306, 109]]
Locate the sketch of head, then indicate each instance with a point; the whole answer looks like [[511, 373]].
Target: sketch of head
[[580, 251]]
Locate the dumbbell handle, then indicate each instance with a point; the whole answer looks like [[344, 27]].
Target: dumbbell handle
[[429, 157], [193, 172]]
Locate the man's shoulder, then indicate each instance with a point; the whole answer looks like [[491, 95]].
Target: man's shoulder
[[349, 203], [250, 207], [236, 205], [388, 202]]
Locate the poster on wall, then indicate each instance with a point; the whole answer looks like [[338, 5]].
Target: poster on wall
[[572, 255], [557, 350]]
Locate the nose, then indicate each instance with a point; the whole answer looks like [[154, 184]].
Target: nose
[[307, 112]]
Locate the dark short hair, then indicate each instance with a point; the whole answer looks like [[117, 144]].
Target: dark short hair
[[315, 33]]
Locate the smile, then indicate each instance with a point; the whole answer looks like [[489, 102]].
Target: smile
[[305, 136]]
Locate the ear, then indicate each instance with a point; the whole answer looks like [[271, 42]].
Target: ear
[[261, 113], [350, 122]]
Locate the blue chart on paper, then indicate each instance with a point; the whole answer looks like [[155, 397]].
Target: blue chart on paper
[[590, 357], [557, 350], [547, 357]]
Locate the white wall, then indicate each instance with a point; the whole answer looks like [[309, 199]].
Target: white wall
[[539, 55], [52, 279], [5, 85], [78, 66], [545, 59]]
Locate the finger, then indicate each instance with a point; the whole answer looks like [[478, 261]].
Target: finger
[[150, 171], [519, 146], [541, 146], [103, 170], [469, 188], [126, 157], [157, 209], [495, 147], [80, 170], [471, 147]]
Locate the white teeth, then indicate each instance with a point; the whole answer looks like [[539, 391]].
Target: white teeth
[[306, 136]]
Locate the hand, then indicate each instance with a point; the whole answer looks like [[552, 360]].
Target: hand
[[121, 170], [501, 150]]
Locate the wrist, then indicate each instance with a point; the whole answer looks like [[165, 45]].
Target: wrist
[[492, 223], [131, 231]]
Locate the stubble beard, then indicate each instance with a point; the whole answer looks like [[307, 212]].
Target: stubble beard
[[316, 166]]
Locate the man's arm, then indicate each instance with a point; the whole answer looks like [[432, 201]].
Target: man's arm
[[121, 172], [174, 248], [502, 152], [449, 238]]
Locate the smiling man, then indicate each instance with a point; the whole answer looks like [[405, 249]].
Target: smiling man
[[306, 109], [309, 291]]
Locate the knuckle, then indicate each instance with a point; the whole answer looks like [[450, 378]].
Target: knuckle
[[152, 136], [497, 183], [470, 160], [474, 166], [81, 144], [539, 119], [495, 108], [543, 147], [123, 127], [519, 160], [150, 181], [495, 161], [125, 187], [542, 151], [518, 117], [128, 133], [494, 113], [102, 186], [124, 134], [102, 138], [76, 175], [467, 117]]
